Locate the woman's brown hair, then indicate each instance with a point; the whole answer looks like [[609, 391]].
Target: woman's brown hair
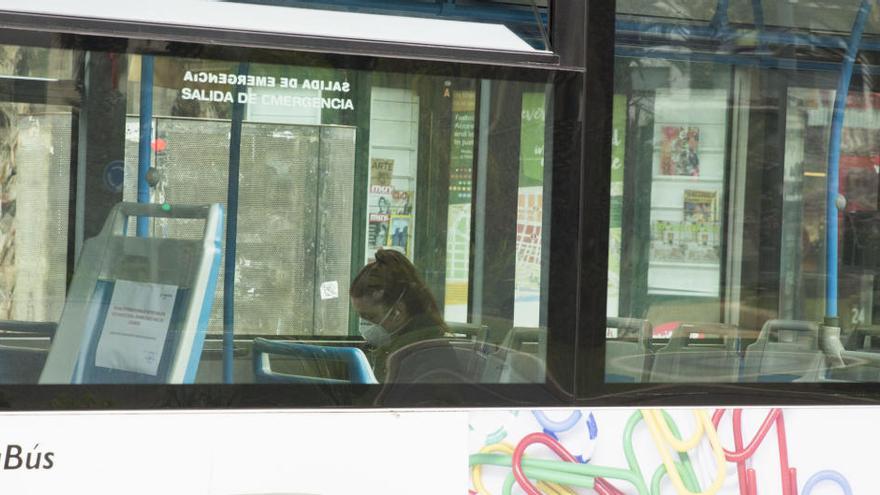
[[387, 277]]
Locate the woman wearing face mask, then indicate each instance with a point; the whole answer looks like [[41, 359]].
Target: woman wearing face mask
[[397, 306]]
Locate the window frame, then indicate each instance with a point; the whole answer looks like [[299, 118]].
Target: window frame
[[592, 390], [95, 35]]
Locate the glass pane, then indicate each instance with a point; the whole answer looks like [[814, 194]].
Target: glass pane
[[461, 170], [340, 225], [35, 63], [720, 267]]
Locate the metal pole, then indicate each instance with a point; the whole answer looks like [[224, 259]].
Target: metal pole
[[719, 20], [232, 230], [145, 138], [479, 201], [833, 186]]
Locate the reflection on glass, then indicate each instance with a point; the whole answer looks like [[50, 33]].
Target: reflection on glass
[[719, 262], [36, 63], [341, 174]]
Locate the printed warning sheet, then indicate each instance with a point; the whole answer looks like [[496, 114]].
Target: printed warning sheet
[[136, 326]]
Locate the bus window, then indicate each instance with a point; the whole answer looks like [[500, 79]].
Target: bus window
[[723, 239], [202, 219]]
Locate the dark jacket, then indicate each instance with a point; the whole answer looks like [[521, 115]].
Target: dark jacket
[[418, 329]]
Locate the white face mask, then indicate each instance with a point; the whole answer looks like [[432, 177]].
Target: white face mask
[[375, 333]]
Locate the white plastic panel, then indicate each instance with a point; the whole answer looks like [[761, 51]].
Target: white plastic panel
[[285, 20]]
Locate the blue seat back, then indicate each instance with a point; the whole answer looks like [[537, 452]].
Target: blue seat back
[[356, 363]]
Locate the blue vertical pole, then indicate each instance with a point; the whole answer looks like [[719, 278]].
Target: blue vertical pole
[[758, 18], [232, 230], [832, 192], [719, 20], [758, 15], [145, 138]]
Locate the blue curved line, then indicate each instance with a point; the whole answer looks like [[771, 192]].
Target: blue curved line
[[592, 427], [833, 184], [557, 426], [145, 139], [827, 475]]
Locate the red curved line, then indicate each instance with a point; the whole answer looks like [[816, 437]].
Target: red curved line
[[601, 485], [740, 454], [785, 471], [530, 439], [747, 478], [604, 487], [751, 483]]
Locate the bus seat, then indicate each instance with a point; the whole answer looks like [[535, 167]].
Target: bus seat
[[436, 361], [21, 365], [520, 367], [137, 309], [23, 328], [318, 359], [864, 338], [470, 331], [623, 362], [448, 361], [525, 355], [687, 360], [861, 356], [530, 340], [627, 354], [785, 351], [861, 366]]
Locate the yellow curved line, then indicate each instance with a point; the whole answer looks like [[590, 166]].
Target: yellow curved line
[[654, 420], [564, 490], [477, 471], [679, 445], [506, 448]]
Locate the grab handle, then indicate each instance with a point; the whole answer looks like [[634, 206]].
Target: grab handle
[[123, 211]]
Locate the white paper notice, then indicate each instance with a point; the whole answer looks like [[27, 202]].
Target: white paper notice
[[136, 326], [329, 290]]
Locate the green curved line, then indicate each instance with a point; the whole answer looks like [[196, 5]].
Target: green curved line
[[497, 436], [584, 470], [582, 475], [547, 475], [630, 454], [688, 476], [656, 479]]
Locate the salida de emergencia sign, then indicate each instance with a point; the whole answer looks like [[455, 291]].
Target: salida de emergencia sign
[[251, 85]]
